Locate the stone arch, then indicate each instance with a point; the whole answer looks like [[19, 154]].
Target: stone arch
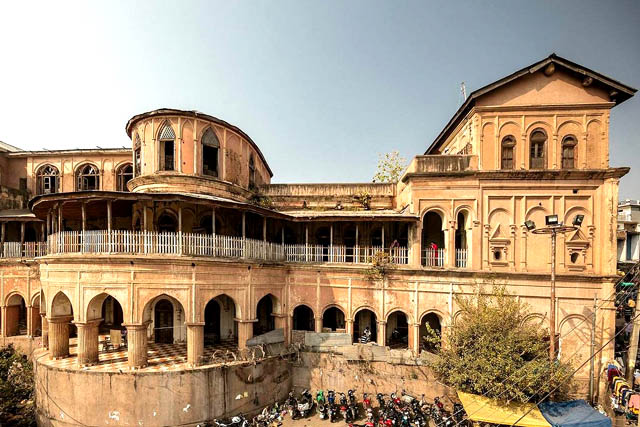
[[534, 317], [433, 238], [165, 131], [575, 210], [574, 339], [456, 317], [435, 320], [303, 318], [266, 307], [219, 315], [398, 323], [365, 317], [538, 124], [507, 123], [277, 304], [333, 317], [61, 305], [166, 323], [538, 252], [16, 313], [180, 295], [569, 123], [95, 309]]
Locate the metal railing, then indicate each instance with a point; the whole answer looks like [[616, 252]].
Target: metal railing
[[461, 258], [342, 254]]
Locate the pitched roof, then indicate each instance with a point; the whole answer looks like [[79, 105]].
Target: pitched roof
[[622, 91]]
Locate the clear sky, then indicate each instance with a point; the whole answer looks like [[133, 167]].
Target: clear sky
[[321, 86]]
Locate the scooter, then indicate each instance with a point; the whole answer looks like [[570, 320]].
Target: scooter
[[344, 408], [380, 399], [305, 404], [366, 401], [366, 336], [333, 413], [322, 411], [331, 397], [292, 406], [237, 421]]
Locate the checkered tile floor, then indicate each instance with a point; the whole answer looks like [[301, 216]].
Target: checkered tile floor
[[161, 357]]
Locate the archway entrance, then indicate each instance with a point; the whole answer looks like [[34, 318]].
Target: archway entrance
[[433, 321], [264, 314], [36, 319], [167, 224], [397, 330], [433, 242], [333, 319], [112, 316], [365, 318], [163, 324], [16, 316], [303, 319], [212, 323]]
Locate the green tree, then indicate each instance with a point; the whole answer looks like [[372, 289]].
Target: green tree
[[16, 389], [390, 167], [491, 350]]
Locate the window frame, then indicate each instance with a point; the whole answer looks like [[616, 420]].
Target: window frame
[[212, 144], [508, 142], [82, 177], [165, 136], [571, 142], [120, 174], [41, 178], [252, 172], [542, 158]]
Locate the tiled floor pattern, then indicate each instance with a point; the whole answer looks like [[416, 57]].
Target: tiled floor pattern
[[161, 357]]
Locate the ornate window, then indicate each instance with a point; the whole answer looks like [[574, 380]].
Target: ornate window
[[537, 141], [252, 173], [210, 147], [166, 140], [569, 152], [47, 180], [87, 178], [123, 176], [137, 156], [508, 144]]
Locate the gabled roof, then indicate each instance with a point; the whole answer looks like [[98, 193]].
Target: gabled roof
[[620, 92], [4, 148]]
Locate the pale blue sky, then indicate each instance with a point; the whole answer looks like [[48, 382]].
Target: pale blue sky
[[321, 86]]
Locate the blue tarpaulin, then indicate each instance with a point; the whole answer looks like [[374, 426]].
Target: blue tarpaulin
[[573, 413]]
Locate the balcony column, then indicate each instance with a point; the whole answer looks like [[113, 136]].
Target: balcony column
[[195, 343], [306, 242], [45, 331], [48, 222], [382, 333], [318, 321], [59, 215], [356, 250], [244, 233], [59, 337], [382, 228], [109, 223], [137, 345], [84, 216], [22, 227], [245, 332], [180, 230], [415, 244], [450, 245], [3, 230], [88, 342], [331, 243], [213, 220]]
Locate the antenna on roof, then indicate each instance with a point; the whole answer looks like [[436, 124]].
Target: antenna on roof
[[463, 91]]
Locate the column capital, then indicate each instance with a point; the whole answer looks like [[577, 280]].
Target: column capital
[[143, 325], [60, 319], [92, 322], [245, 320], [194, 323]]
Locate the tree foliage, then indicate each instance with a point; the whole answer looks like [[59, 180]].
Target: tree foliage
[[492, 350], [390, 167], [16, 389]]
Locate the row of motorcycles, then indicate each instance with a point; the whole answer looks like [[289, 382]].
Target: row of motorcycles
[[394, 411]]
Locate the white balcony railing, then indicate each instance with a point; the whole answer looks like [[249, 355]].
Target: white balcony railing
[[23, 250], [461, 258], [433, 257], [143, 242]]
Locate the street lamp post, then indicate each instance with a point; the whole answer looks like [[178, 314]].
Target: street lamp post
[[553, 227]]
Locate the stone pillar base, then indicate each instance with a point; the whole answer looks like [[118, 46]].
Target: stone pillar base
[[88, 342], [137, 345], [318, 324], [195, 343], [59, 337], [245, 332]]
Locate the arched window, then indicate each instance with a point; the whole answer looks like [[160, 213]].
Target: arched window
[[537, 149], [87, 178], [508, 144], [166, 140], [124, 175], [569, 152], [137, 156], [252, 173], [47, 180], [210, 147]]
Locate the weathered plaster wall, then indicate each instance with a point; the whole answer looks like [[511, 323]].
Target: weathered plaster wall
[[165, 398]]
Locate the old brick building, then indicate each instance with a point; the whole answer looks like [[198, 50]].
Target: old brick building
[[183, 238]]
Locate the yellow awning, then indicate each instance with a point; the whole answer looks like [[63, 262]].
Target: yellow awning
[[484, 409]]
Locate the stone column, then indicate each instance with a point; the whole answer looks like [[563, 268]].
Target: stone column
[[318, 324], [3, 320], [415, 242], [59, 337], [29, 321], [88, 342], [245, 332], [414, 338], [195, 343], [137, 345], [382, 333], [45, 331], [280, 321], [348, 324]]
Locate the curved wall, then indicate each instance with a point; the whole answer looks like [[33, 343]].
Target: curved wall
[[185, 398]]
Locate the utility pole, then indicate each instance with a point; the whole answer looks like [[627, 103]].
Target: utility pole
[[633, 349], [593, 349], [552, 310]]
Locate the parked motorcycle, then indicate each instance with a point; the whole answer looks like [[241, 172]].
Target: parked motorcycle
[[237, 421], [366, 336], [305, 404], [366, 401], [292, 406], [322, 411], [333, 413]]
